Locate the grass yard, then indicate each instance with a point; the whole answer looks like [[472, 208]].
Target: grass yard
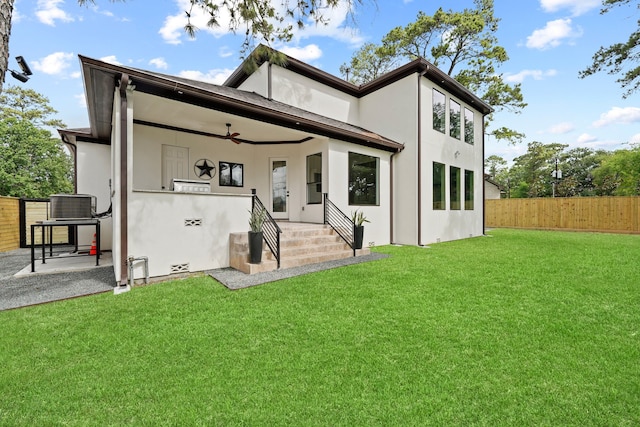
[[521, 328]]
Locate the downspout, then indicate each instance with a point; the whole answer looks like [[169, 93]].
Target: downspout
[[269, 88], [484, 216], [420, 75], [124, 225], [74, 152]]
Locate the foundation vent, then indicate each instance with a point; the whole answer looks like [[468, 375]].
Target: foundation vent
[[193, 222], [179, 268]]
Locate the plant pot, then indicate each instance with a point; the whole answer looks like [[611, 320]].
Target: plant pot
[[255, 247], [358, 235]]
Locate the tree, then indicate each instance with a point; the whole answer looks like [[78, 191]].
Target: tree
[[29, 105], [530, 175], [32, 163], [494, 165], [461, 43], [619, 57], [6, 10], [619, 174], [367, 64]]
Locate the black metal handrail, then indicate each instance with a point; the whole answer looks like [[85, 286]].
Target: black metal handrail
[[340, 222], [270, 229]]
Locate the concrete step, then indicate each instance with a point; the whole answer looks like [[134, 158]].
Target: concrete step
[[300, 244]]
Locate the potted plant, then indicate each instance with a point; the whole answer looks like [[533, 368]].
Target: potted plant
[[256, 220], [358, 219]]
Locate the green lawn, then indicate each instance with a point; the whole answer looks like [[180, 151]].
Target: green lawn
[[521, 328]]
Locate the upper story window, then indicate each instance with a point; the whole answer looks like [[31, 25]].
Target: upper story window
[[454, 119], [439, 110], [468, 126], [364, 175]]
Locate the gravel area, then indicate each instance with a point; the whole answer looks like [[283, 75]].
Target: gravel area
[[41, 288], [234, 279]]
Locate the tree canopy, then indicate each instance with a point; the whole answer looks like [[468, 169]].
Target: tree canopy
[[620, 58], [33, 164], [584, 172], [463, 44]]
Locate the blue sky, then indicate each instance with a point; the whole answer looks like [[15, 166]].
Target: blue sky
[[548, 42]]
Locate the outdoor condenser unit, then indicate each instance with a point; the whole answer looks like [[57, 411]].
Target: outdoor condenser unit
[[72, 206]]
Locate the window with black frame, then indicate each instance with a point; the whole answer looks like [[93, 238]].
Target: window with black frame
[[231, 174], [468, 190], [439, 111], [364, 174], [314, 179], [439, 193], [454, 187]]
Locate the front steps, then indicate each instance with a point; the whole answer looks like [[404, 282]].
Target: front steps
[[300, 244]]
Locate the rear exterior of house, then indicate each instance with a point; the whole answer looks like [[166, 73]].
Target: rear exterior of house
[[406, 149]]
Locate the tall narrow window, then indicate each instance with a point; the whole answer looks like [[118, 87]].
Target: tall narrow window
[[454, 119], [468, 190], [438, 111], [314, 179], [454, 188], [438, 186], [468, 126], [364, 172]]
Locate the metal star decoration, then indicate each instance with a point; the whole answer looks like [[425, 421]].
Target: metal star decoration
[[205, 169]]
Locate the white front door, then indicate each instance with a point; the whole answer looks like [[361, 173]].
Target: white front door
[[175, 164], [279, 189]]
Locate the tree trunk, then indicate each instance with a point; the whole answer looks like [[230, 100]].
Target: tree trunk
[[6, 10]]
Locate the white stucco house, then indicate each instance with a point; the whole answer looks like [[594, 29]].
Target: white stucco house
[[406, 149]]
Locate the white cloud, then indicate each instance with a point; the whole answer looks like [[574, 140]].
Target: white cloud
[[75, 75], [82, 100], [635, 139], [306, 54], [617, 115], [48, 12], [217, 76], [535, 74], [173, 32], [111, 59], [561, 128], [173, 29], [225, 52], [54, 64], [553, 34], [585, 138], [159, 63], [577, 7]]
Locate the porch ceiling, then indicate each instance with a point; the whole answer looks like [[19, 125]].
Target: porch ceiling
[[171, 113]]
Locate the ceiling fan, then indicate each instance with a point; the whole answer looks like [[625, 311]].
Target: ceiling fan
[[231, 136]]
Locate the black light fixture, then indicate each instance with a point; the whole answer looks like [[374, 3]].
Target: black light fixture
[[26, 71]]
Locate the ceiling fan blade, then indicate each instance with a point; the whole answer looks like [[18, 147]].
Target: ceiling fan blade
[[235, 140], [233, 135]]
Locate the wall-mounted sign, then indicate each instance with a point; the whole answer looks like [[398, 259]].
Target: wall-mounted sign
[[204, 169]]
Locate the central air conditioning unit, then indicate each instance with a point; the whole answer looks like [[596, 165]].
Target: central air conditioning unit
[[71, 206], [186, 185]]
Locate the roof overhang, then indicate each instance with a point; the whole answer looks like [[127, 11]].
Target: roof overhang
[[101, 80], [420, 66]]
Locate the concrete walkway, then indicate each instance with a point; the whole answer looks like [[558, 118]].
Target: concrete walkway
[[58, 279]]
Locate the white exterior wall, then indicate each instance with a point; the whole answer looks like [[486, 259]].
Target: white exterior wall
[[445, 225], [392, 111], [491, 191], [377, 231], [258, 81], [302, 92], [93, 176], [147, 158], [158, 229]]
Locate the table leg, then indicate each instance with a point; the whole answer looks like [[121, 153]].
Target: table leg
[[44, 245], [33, 249]]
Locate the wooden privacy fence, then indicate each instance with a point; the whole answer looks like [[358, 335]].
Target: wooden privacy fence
[[603, 214], [9, 223]]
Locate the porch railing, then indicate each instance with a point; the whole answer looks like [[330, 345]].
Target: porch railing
[[340, 222], [270, 229]]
